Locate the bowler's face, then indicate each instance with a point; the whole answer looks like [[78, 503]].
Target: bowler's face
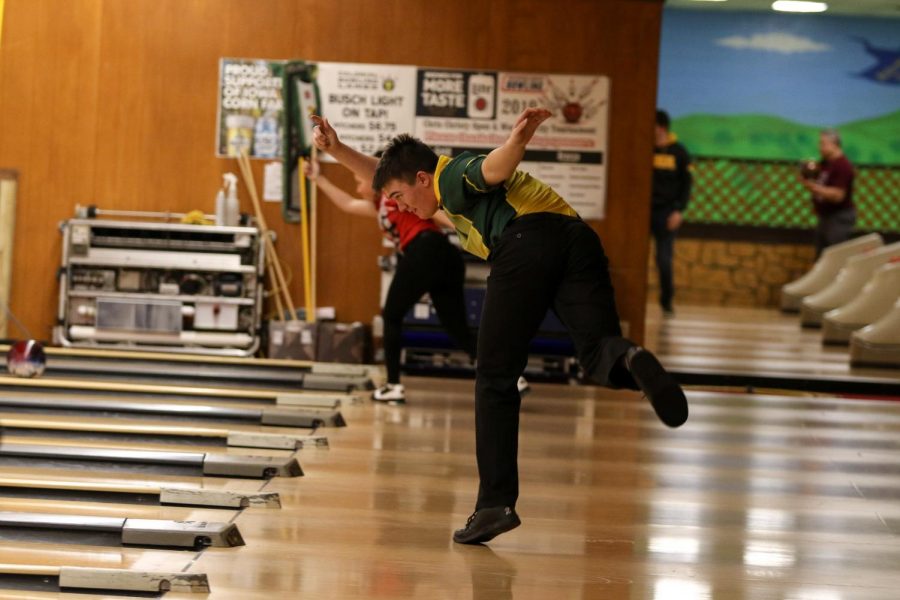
[[827, 147], [417, 198]]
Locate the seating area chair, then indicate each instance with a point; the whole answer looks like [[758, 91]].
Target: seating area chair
[[852, 278], [875, 300], [878, 344], [824, 271]]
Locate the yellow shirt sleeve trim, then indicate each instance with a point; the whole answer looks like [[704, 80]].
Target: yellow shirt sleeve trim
[[442, 164], [469, 181]]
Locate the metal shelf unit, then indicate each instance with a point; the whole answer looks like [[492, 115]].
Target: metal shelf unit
[[160, 286]]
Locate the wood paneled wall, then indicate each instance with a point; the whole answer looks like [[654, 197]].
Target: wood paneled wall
[[113, 103]]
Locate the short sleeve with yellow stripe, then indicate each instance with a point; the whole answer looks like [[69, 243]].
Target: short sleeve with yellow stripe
[[462, 182]]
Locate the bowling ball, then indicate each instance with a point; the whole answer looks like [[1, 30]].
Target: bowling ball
[[809, 169], [26, 359]]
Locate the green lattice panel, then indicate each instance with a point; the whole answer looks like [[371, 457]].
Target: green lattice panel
[[768, 194], [877, 197]]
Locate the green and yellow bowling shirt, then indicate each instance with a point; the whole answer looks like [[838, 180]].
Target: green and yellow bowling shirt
[[480, 212]]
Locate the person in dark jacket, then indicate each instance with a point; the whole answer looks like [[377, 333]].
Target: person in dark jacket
[[671, 192]]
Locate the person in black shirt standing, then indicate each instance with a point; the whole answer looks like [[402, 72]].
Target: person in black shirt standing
[[671, 191]]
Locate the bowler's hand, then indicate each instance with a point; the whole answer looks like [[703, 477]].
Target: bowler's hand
[[527, 124], [674, 221], [311, 169], [324, 136]]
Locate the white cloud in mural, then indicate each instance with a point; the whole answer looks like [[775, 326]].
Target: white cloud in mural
[[785, 43]]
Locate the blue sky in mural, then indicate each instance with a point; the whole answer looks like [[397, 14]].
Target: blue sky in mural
[[805, 68]]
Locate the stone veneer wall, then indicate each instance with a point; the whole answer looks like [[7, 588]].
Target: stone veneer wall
[[721, 273]]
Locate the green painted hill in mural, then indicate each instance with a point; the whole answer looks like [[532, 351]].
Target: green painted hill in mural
[[867, 142]]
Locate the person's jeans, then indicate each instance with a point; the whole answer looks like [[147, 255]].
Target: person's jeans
[[665, 250]]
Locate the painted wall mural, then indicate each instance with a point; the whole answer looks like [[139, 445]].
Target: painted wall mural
[[762, 85]]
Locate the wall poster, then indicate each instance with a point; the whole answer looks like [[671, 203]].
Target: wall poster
[[452, 110]]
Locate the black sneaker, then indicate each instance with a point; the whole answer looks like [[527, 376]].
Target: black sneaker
[[664, 393], [486, 524]]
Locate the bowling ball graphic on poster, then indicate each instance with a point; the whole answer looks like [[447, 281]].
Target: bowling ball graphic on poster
[[576, 101], [572, 112], [26, 359]]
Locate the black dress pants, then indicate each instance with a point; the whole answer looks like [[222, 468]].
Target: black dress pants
[[430, 263], [542, 261]]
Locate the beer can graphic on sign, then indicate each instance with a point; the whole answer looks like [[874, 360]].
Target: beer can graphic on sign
[[481, 94]]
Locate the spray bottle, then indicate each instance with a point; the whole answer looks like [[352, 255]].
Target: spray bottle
[[232, 211], [220, 207]]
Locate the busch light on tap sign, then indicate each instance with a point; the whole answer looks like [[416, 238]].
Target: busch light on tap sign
[[367, 104]]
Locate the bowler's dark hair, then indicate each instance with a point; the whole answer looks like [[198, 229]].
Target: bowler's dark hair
[[662, 119], [403, 157]]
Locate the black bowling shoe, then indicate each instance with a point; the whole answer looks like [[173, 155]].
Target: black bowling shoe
[[486, 524], [664, 393]]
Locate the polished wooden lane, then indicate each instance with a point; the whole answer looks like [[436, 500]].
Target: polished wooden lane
[[202, 360], [24, 481], [112, 509], [759, 346], [177, 408], [757, 497], [72, 549], [140, 444], [89, 426], [192, 370], [134, 388], [67, 555]]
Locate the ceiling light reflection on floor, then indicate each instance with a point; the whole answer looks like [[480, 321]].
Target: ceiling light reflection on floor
[[684, 547], [769, 554], [681, 589], [799, 6], [767, 519]]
